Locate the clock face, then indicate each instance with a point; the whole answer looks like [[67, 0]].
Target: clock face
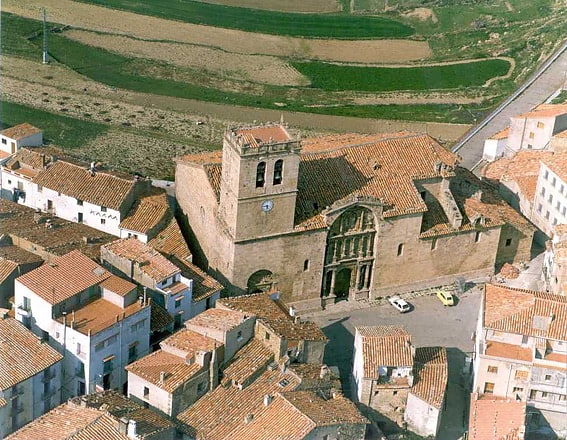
[[267, 205]]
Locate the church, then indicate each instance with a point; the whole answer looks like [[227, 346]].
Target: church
[[349, 216]]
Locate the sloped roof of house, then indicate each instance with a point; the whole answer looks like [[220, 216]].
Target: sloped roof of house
[[65, 277], [251, 358], [557, 162], [170, 242], [23, 355], [493, 418], [20, 131], [187, 343], [545, 111], [384, 346], [160, 319], [272, 314], [430, 376], [118, 285], [253, 137], [147, 213], [502, 134], [18, 255], [218, 319], [7, 267], [525, 312]]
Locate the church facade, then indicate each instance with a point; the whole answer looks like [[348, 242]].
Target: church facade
[[345, 216]]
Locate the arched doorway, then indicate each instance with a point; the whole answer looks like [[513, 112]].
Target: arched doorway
[[349, 256], [261, 281]]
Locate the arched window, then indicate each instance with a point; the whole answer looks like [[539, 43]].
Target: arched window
[[278, 172], [260, 174]]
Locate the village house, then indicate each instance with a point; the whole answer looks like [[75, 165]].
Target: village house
[[14, 262], [187, 365], [344, 216], [521, 353], [18, 136], [105, 415], [404, 384], [96, 319], [30, 376], [494, 418]]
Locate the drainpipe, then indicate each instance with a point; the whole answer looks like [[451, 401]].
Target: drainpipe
[[64, 352]]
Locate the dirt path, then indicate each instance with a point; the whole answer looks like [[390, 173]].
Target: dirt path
[[97, 18]]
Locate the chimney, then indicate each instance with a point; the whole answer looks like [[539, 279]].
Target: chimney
[[83, 401], [132, 429], [162, 375], [267, 399], [291, 311], [141, 299], [324, 372], [248, 418], [213, 370], [123, 425]]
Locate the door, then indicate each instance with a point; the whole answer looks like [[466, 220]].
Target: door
[[342, 283], [80, 217]]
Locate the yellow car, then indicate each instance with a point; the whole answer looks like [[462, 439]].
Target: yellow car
[[445, 297]]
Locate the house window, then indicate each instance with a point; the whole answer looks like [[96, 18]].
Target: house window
[[553, 182], [107, 366], [201, 387], [305, 265], [547, 215], [521, 375], [563, 211], [488, 388], [562, 397], [4, 141], [79, 202], [433, 244], [539, 207], [267, 336], [132, 352], [146, 393], [554, 221], [492, 369], [278, 172], [477, 236], [508, 242], [540, 125], [548, 377], [260, 175], [103, 209], [544, 395], [394, 393], [550, 198], [400, 249], [531, 134], [239, 336], [102, 221], [9, 182], [178, 302], [533, 394], [546, 175], [78, 348], [525, 339], [518, 390], [558, 205]]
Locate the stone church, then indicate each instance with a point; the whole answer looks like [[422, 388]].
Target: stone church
[[345, 216]]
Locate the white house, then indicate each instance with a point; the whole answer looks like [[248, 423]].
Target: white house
[[94, 317], [495, 145], [21, 135], [30, 376]]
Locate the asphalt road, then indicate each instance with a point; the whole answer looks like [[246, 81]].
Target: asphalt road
[[549, 79], [430, 324]]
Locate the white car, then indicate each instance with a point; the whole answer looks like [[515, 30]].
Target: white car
[[401, 305]]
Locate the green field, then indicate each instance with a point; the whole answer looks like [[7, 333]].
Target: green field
[[384, 79], [62, 130], [340, 26]]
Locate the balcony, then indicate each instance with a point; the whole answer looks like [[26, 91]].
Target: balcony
[[23, 311]]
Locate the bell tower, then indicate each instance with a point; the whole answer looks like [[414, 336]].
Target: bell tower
[[258, 190]]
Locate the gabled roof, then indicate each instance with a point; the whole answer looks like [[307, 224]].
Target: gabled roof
[[431, 373], [118, 285], [272, 314], [18, 255], [545, 111], [22, 354], [493, 418], [160, 319], [525, 312], [557, 162], [20, 131], [170, 242], [246, 362], [187, 343], [255, 136], [502, 134], [65, 277], [218, 319], [7, 267], [384, 346], [147, 213]]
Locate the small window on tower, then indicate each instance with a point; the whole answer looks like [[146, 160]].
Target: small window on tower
[[260, 175], [278, 172]]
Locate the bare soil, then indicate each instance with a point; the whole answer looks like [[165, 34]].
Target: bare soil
[[101, 19], [284, 6], [422, 14]]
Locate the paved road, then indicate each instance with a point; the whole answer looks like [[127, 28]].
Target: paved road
[[430, 324], [553, 78]]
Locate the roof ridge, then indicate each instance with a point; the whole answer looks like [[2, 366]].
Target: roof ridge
[[393, 136]]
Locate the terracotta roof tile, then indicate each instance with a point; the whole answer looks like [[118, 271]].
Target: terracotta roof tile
[[102, 188], [561, 134], [430, 375], [6, 269], [316, 377], [20, 131], [151, 262], [18, 255], [118, 285], [502, 134], [187, 343], [170, 242], [160, 319], [272, 314], [147, 214], [255, 136], [247, 361], [23, 355], [557, 162], [218, 319], [384, 345], [545, 110], [525, 312], [509, 351], [492, 418], [65, 277], [204, 285]]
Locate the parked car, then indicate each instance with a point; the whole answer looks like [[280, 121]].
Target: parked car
[[401, 305], [445, 297]]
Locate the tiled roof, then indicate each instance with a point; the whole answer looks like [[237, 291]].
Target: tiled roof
[[118, 285], [65, 277], [217, 414], [203, 285], [177, 371], [30, 161], [561, 134], [151, 262], [267, 134], [18, 255], [6, 269], [102, 188], [522, 168], [384, 345], [493, 418], [65, 236], [502, 134], [212, 166], [557, 162], [525, 312], [219, 319], [170, 242], [545, 110], [274, 317], [251, 358], [430, 375], [147, 213], [20, 131], [22, 354], [160, 318], [59, 424], [312, 378], [100, 314], [509, 351], [186, 343]]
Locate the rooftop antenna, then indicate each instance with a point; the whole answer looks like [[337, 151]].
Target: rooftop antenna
[[45, 54]]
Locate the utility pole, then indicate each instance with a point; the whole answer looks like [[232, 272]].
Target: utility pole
[[45, 54]]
